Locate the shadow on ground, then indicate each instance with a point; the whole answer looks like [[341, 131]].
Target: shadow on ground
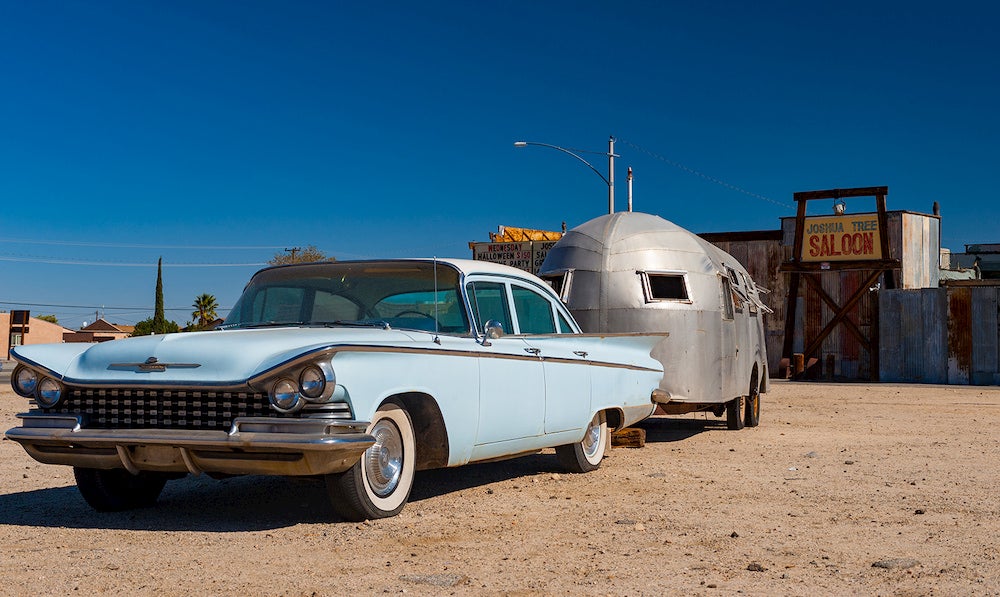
[[667, 429], [240, 504], [256, 503]]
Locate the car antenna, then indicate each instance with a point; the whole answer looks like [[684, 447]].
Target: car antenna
[[437, 338]]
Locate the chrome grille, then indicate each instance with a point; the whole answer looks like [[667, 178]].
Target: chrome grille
[[136, 408]]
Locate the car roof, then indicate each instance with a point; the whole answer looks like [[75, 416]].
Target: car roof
[[465, 266]]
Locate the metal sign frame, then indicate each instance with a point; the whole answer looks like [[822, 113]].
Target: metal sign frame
[[812, 272]]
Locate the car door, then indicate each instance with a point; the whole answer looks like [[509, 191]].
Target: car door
[[512, 381], [548, 333]]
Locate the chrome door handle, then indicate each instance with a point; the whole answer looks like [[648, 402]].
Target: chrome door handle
[[534, 351]]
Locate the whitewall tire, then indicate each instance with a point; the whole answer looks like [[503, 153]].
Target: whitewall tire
[[378, 485]]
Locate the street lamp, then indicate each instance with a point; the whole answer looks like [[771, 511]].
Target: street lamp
[[608, 180]]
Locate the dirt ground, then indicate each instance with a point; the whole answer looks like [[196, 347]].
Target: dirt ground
[[843, 489]]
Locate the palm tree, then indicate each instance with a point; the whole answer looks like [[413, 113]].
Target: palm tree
[[204, 313]]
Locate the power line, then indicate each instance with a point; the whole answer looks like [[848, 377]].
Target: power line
[[135, 246], [54, 261], [689, 170], [100, 307]]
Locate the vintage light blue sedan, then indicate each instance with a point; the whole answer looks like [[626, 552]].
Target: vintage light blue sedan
[[363, 372]]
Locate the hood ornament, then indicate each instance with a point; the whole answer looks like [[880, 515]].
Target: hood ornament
[[153, 364]]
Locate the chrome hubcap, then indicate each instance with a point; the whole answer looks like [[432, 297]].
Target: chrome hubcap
[[592, 441], [384, 460]]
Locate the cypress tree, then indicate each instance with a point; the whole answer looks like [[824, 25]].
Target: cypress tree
[[159, 321]]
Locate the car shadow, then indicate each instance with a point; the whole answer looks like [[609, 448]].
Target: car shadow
[[442, 481], [661, 429], [241, 504], [259, 503], [250, 503]]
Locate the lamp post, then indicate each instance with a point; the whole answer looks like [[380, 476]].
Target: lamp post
[[608, 180]]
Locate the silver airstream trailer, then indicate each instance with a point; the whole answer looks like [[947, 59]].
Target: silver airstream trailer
[[636, 272]]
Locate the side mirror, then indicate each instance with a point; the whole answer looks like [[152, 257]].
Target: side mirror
[[493, 329]]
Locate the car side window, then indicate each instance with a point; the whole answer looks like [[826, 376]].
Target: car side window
[[534, 311], [489, 301], [564, 326]]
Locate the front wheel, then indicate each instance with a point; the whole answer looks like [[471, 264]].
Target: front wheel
[[378, 484], [114, 490], [586, 455]]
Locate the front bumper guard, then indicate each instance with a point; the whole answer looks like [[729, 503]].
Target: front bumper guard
[[252, 446]]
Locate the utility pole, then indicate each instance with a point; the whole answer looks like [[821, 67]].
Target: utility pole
[[293, 251], [611, 175]]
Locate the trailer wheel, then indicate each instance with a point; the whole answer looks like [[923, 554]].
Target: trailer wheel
[[752, 418], [735, 409]]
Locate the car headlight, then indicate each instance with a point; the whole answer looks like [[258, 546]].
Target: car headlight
[[312, 382], [25, 381], [49, 392], [285, 396]]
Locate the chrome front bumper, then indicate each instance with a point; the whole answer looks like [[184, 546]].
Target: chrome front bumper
[[253, 446]]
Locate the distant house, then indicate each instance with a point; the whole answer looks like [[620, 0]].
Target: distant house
[[18, 327], [99, 331]]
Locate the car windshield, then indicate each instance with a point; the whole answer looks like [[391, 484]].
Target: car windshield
[[413, 295]]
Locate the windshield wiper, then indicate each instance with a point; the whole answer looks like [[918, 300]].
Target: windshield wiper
[[262, 324], [378, 323], [329, 324]]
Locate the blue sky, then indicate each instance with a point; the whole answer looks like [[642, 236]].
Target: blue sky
[[220, 133]]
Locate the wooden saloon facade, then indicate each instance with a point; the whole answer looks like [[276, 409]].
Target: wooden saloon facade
[[825, 275]]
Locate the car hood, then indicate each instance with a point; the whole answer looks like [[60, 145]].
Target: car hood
[[223, 358]]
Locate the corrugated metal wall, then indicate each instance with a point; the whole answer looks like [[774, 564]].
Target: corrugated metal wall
[[940, 335], [914, 239]]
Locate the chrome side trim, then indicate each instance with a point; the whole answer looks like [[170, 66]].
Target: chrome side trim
[[335, 348], [488, 355]]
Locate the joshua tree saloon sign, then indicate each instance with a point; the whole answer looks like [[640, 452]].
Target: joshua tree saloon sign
[[841, 238]]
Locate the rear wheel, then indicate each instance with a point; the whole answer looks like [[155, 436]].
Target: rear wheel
[[114, 490], [378, 485], [752, 418], [586, 455], [734, 413]]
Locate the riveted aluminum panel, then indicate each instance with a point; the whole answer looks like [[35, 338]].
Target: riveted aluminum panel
[[607, 256]]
